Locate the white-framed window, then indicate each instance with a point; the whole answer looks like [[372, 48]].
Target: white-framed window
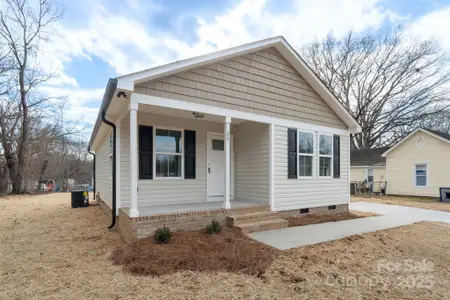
[[168, 155], [305, 154], [369, 175], [421, 175], [325, 155]]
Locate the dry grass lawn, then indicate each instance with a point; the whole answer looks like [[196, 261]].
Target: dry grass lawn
[[50, 251], [427, 203]]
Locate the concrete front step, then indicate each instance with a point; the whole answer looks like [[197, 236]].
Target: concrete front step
[[261, 225], [234, 219]]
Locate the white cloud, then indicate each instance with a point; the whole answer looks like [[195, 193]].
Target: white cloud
[[433, 25], [128, 45], [74, 96]]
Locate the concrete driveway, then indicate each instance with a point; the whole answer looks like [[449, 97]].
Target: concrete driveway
[[410, 213], [392, 216]]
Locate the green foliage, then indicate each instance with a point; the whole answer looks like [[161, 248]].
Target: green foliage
[[214, 227], [163, 235]]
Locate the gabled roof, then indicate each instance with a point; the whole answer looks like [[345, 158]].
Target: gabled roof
[[368, 157], [445, 137], [127, 82]]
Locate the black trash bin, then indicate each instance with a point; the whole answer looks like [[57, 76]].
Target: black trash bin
[[79, 199]]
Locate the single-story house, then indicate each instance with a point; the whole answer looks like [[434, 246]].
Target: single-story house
[[236, 135], [368, 165], [419, 164]]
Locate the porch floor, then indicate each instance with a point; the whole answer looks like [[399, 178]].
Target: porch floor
[[151, 210]]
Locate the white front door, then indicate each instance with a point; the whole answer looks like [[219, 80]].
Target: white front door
[[216, 166]]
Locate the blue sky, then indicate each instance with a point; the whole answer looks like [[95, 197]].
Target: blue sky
[[99, 39]]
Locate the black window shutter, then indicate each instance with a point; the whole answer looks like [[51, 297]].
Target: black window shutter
[[189, 154], [292, 153], [145, 152], [336, 156]]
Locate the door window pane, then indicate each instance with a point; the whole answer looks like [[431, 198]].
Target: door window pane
[[218, 145]]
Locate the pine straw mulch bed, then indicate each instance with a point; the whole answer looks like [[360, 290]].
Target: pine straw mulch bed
[[228, 251], [316, 219]]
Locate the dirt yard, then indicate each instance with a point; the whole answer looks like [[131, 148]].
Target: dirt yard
[[427, 203], [50, 251]]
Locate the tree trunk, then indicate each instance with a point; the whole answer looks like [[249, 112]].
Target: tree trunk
[[23, 142]]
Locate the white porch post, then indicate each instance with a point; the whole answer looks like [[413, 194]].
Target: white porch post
[[271, 167], [227, 137], [134, 212]]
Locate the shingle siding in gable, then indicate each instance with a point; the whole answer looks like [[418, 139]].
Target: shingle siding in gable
[[261, 82]]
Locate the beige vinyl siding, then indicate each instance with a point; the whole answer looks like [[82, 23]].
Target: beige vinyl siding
[[307, 193], [125, 192], [379, 174], [360, 173], [401, 166], [252, 161], [262, 82], [103, 171]]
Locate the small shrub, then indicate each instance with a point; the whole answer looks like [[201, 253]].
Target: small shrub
[[214, 227], [163, 235]]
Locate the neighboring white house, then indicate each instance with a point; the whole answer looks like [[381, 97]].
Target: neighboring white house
[[368, 165], [419, 164], [243, 130]]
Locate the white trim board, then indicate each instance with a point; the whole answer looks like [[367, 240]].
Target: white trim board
[[127, 82], [411, 134], [207, 109]]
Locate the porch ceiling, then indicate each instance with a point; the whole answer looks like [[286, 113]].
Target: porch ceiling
[[185, 114]]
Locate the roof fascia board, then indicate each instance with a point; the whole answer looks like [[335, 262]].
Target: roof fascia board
[[127, 82]]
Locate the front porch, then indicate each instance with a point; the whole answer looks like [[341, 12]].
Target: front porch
[[196, 216], [190, 161]]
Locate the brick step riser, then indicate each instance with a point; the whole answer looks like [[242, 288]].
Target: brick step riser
[[249, 210], [255, 227], [235, 220], [262, 228]]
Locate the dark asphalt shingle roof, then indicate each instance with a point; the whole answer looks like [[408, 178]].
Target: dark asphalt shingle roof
[[368, 157], [443, 135]]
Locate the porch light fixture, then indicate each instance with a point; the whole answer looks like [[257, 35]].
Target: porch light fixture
[[198, 115]]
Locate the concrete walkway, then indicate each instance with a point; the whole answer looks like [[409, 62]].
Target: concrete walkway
[[393, 216], [412, 213]]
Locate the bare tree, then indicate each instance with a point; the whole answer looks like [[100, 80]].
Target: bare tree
[[389, 82], [24, 24]]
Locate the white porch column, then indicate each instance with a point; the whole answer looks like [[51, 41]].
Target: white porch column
[[227, 138], [134, 212], [271, 166]]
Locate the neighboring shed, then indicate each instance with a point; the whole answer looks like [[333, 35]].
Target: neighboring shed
[[419, 164], [368, 164]]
